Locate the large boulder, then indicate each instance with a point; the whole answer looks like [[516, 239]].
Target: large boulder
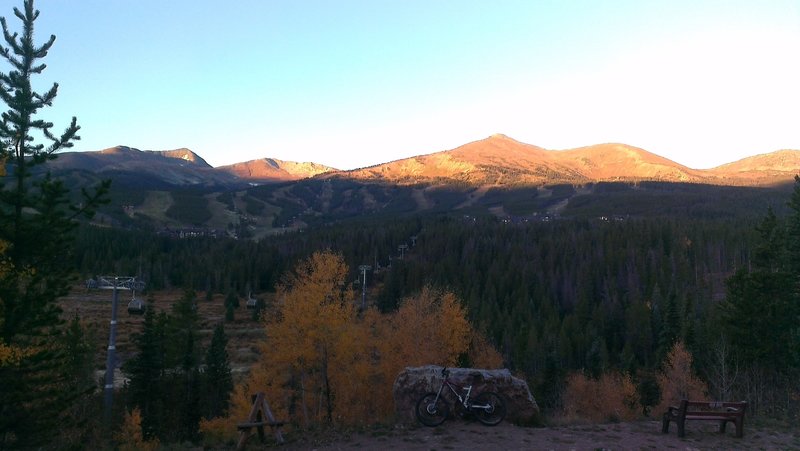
[[412, 383]]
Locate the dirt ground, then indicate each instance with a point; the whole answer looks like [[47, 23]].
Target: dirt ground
[[641, 435]]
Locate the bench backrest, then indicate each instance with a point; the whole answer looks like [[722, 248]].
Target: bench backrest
[[700, 407]]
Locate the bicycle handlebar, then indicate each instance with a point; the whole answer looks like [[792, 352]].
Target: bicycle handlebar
[[445, 371]]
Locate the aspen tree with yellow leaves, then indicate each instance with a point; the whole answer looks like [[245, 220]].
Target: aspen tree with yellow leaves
[[429, 328], [308, 336], [323, 362], [677, 379]]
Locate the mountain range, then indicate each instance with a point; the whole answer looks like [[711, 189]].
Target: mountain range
[[496, 160], [497, 175]]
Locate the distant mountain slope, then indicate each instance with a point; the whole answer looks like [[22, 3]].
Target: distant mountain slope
[[143, 167], [496, 176], [604, 162], [502, 160], [122, 155], [183, 154], [494, 160], [760, 169], [274, 170]]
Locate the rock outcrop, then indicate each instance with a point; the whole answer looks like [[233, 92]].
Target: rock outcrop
[[412, 383]]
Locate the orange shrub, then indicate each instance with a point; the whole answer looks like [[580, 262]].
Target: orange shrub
[[130, 437], [613, 397], [482, 354], [677, 381], [220, 431]]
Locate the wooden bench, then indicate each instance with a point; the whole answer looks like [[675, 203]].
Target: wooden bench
[[723, 412], [260, 416]]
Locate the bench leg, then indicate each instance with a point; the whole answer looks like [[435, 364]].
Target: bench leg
[[722, 425], [665, 423], [260, 428], [681, 428], [739, 427]]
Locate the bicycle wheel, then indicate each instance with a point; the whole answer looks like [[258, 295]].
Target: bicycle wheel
[[430, 411], [490, 408]]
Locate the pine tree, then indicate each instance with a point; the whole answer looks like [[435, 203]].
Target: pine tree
[[184, 320], [762, 308], [232, 300], [79, 369], [231, 303], [793, 230], [769, 253], [218, 380], [37, 222], [670, 326], [190, 401], [146, 371], [80, 354]]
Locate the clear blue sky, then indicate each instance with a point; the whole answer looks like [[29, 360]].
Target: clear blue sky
[[355, 83]]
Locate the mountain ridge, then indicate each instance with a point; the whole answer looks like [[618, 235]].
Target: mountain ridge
[[498, 176], [500, 160], [496, 161], [145, 167], [274, 170]]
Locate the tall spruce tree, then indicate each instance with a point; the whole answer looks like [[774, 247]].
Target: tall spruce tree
[[185, 321], [36, 222], [218, 380], [146, 371], [793, 231], [762, 309]]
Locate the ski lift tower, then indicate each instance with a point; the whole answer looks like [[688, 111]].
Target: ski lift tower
[[364, 269], [114, 283], [402, 249]]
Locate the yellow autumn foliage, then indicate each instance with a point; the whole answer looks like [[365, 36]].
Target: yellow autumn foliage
[[13, 355], [612, 397], [677, 379], [309, 336], [130, 437], [482, 354], [429, 328], [324, 361]]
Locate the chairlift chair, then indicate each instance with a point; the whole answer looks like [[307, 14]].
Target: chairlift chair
[[136, 306], [252, 303]]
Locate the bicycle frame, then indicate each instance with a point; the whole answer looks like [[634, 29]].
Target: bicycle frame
[[452, 386]]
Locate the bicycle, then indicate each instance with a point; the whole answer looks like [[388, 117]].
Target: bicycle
[[432, 409]]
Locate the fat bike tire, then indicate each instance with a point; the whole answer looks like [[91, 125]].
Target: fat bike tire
[[430, 411], [489, 408]]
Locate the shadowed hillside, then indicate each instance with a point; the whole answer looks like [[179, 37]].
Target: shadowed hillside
[[496, 176]]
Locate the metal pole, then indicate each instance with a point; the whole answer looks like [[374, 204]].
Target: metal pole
[[364, 290], [115, 283], [364, 269], [111, 358]]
